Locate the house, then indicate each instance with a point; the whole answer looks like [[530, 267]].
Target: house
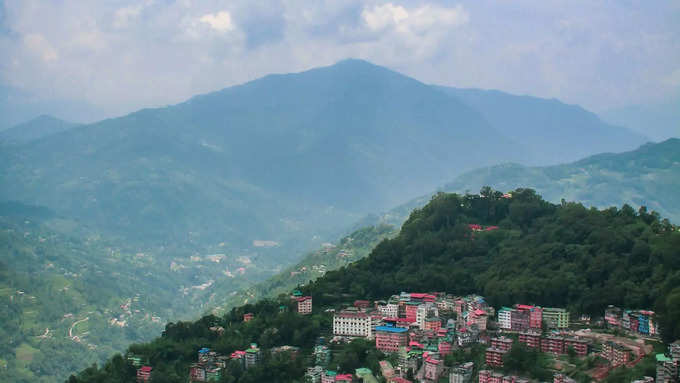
[[144, 374], [247, 317]]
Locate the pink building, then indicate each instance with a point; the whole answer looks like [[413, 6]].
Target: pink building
[[304, 305], [444, 348], [411, 312], [144, 374], [433, 324], [390, 339], [247, 317]]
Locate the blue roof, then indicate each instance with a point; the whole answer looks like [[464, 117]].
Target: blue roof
[[390, 329], [204, 350]]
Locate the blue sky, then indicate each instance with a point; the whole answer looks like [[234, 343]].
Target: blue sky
[[122, 55]]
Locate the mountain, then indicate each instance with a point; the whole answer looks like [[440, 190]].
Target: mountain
[[554, 255], [286, 159], [648, 176], [39, 127], [554, 132], [659, 121]]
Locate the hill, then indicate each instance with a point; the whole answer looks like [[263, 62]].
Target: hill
[[284, 159], [554, 132], [661, 120], [71, 297], [39, 127], [648, 176], [553, 255]]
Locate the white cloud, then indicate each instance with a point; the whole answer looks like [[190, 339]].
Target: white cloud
[[380, 17], [39, 46], [220, 21]]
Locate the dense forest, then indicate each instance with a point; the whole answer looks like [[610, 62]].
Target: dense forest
[[542, 253]]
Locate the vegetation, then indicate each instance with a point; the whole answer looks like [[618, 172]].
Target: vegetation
[[553, 255]]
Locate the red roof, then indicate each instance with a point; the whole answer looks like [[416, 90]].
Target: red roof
[[302, 299], [525, 307], [345, 378], [146, 369], [480, 312], [489, 228]]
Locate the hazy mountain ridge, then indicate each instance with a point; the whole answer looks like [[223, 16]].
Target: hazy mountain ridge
[[39, 127], [553, 131]]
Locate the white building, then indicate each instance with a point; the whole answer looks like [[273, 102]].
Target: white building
[[352, 323], [424, 311], [389, 310], [504, 321]]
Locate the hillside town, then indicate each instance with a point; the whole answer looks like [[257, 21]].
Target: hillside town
[[418, 330]]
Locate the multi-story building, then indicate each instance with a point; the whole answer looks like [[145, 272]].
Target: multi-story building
[[486, 376], [313, 374], [536, 317], [477, 317], [388, 310], [432, 323], [252, 356], [580, 346], [461, 373], [612, 316], [556, 318], [411, 311], [322, 355], [504, 318], [352, 323], [494, 356], [304, 305], [390, 338], [501, 343], [552, 344], [444, 348], [666, 369], [674, 349], [519, 320], [615, 353], [328, 376], [531, 338], [425, 311]]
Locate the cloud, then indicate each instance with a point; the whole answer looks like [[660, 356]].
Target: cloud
[[421, 19], [39, 46], [220, 21]]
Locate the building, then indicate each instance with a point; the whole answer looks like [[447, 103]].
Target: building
[[313, 374], [328, 376], [531, 338], [494, 356], [322, 355], [304, 305], [613, 316], [674, 349], [461, 373], [352, 323], [247, 317], [504, 318], [536, 317], [144, 374], [555, 318], [580, 346], [390, 339], [552, 345], [477, 317], [615, 353], [432, 369], [433, 323], [388, 310], [411, 311], [666, 369], [519, 320], [252, 355], [501, 343], [444, 348]]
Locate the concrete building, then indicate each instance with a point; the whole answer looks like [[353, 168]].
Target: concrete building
[[504, 318], [615, 353], [252, 355], [494, 356], [531, 338], [352, 323], [556, 318], [666, 369], [501, 343], [461, 373], [144, 374], [389, 338], [304, 305]]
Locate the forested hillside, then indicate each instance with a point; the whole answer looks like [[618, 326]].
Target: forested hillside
[[70, 297], [552, 255], [538, 252]]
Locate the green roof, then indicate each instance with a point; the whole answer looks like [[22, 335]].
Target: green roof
[[253, 350], [363, 371], [662, 358]]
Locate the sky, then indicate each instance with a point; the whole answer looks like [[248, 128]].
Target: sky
[[122, 55]]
